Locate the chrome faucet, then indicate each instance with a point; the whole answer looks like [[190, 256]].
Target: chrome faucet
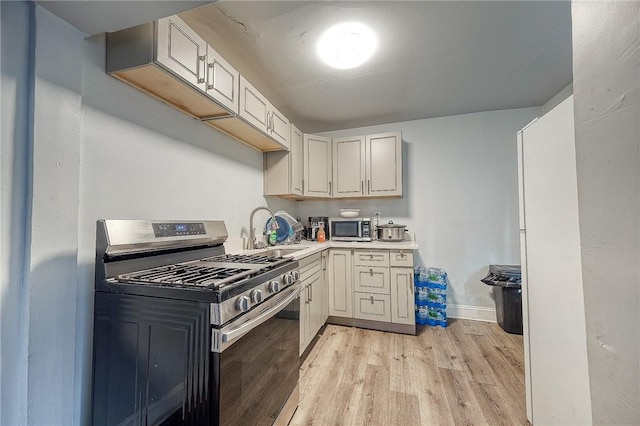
[[251, 244]]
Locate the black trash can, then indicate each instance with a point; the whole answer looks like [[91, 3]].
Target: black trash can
[[507, 291]]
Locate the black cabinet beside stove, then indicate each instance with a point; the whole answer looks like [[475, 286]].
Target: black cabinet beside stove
[[151, 361]]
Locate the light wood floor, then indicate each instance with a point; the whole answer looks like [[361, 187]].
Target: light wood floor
[[466, 374]]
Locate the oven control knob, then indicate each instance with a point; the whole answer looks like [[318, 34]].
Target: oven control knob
[[274, 286], [288, 279], [295, 275], [256, 296], [242, 303]]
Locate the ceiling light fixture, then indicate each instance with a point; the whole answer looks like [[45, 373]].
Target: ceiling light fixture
[[347, 45]]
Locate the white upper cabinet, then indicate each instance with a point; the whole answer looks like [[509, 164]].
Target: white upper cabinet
[[253, 106], [257, 110], [317, 166], [297, 161], [384, 164], [278, 126], [168, 60], [349, 167], [182, 51], [222, 80], [283, 170]]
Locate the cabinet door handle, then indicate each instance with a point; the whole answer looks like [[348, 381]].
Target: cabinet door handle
[[210, 66], [369, 186], [310, 293], [329, 187], [362, 187], [201, 68]]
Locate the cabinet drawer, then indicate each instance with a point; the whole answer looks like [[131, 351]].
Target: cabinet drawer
[[372, 279], [309, 266], [372, 306], [371, 257], [401, 258]]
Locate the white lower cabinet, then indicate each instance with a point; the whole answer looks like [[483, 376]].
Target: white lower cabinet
[[311, 319], [371, 279], [325, 286], [340, 283], [372, 306], [374, 285], [402, 299]]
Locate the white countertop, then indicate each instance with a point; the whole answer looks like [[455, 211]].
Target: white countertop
[[307, 248]]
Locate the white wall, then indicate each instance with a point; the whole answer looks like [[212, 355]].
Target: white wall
[[143, 159], [13, 183], [460, 195], [88, 147], [606, 66]]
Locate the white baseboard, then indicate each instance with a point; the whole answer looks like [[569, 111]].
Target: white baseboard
[[478, 313]]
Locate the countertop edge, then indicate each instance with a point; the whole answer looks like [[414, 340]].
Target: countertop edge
[[314, 247]]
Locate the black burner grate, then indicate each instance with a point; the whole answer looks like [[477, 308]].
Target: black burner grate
[[243, 258], [210, 275]]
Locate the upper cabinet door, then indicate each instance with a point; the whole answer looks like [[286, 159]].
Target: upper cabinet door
[[348, 167], [297, 159], [222, 80], [278, 126], [317, 166], [182, 51], [384, 164], [253, 106]]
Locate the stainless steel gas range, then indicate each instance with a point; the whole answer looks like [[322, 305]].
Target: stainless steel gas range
[[185, 334]]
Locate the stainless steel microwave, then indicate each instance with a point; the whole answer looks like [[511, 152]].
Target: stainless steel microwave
[[350, 229]]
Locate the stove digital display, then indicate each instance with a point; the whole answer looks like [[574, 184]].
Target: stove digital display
[[162, 230]]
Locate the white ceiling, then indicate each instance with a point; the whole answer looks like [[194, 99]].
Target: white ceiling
[[100, 16], [434, 58]]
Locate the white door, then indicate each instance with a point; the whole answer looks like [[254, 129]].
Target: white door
[[223, 82], [384, 164], [523, 268], [317, 166], [296, 160], [182, 51], [348, 166], [315, 305], [402, 299], [340, 283], [253, 106], [278, 126], [525, 323], [325, 286], [557, 336]]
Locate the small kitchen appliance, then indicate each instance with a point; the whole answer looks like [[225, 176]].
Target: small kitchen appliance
[[314, 226], [391, 232], [351, 229], [186, 334]]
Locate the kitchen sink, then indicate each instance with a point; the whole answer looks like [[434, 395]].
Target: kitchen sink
[[280, 251]]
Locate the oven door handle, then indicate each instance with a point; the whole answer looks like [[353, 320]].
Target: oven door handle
[[271, 311]]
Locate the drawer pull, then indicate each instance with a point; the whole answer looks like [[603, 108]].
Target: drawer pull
[[371, 271], [372, 300]]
